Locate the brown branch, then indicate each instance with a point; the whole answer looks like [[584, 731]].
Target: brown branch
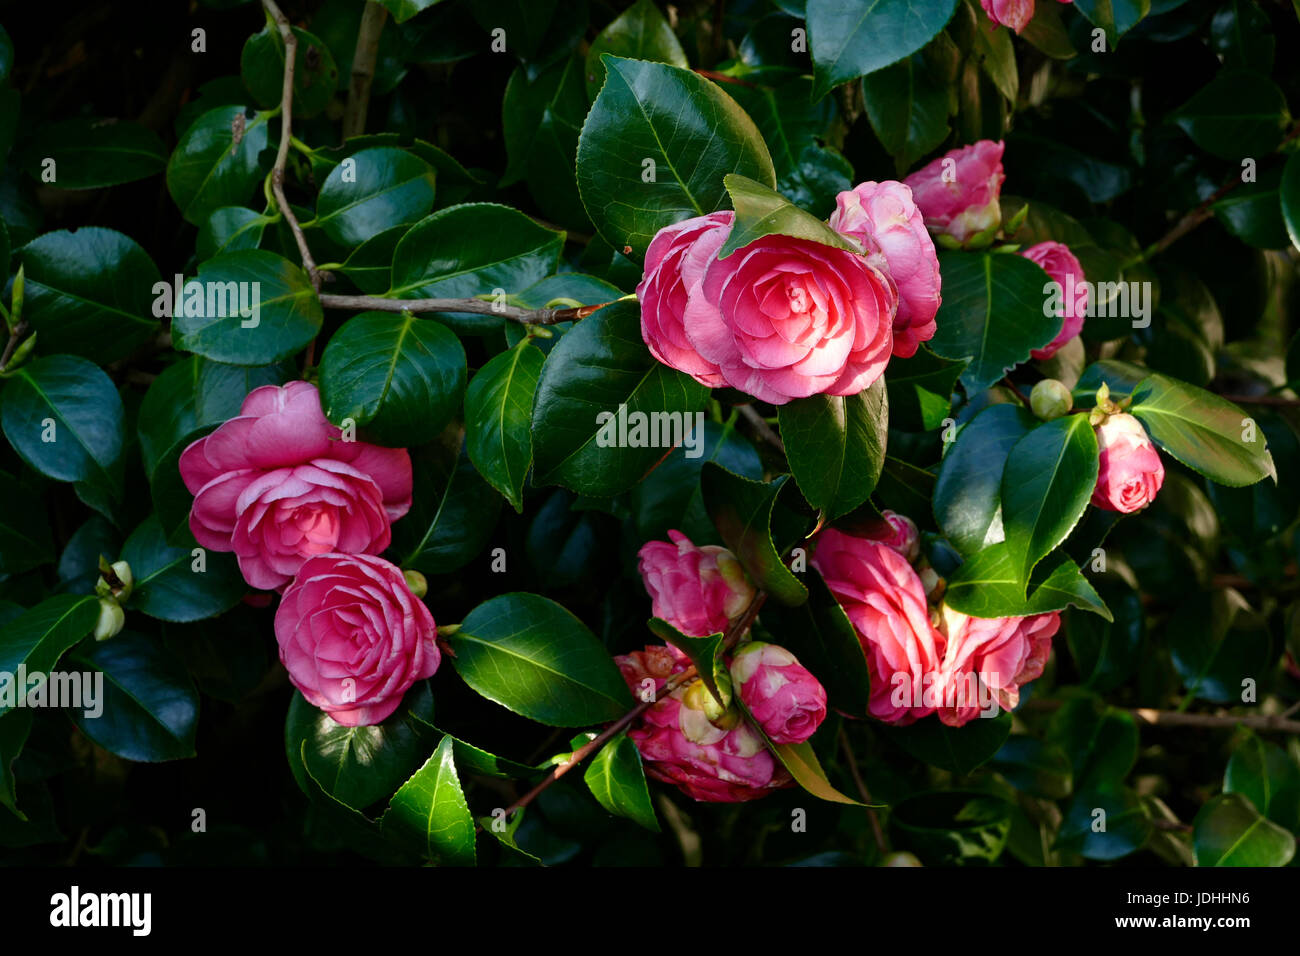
[[286, 136], [1173, 718], [863, 792], [363, 68], [737, 630], [477, 306], [764, 430]]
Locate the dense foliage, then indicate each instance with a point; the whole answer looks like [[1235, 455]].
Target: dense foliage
[[636, 550]]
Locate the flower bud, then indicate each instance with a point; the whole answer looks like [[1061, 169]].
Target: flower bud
[[901, 858], [780, 693], [417, 582], [1050, 399], [699, 591], [111, 619]]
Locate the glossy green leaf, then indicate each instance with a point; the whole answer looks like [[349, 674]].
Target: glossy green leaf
[[1116, 17], [358, 766], [208, 169], [1238, 114], [655, 148], [64, 418], [532, 656], [256, 308], [89, 292], [1219, 644], [315, 75], [742, 511], [399, 377], [953, 827], [1105, 823], [403, 10], [1228, 831], [1046, 484], [149, 710], [857, 37], [174, 584], [836, 446], [705, 652], [1268, 776], [1107, 653], [498, 419], [955, 749], [371, 191], [452, 516], [993, 313], [89, 153], [541, 119], [761, 211], [616, 779], [1101, 741], [1203, 431], [801, 760], [25, 541], [1032, 766], [968, 493], [599, 422], [639, 33], [430, 812], [231, 229], [36, 639], [988, 584], [907, 103]]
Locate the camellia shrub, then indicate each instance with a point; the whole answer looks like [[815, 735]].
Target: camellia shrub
[[524, 432]]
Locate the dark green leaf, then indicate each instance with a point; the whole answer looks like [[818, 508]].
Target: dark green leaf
[[1035, 767], [705, 652], [761, 211], [616, 779], [374, 191], [452, 516], [36, 639], [638, 33], [498, 419], [90, 153], [232, 229], [1231, 832], [1116, 17], [1241, 33], [315, 76], [1102, 741], [953, 827], [836, 447], [174, 584], [1268, 777], [1218, 644], [920, 390], [907, 103], [430, 811], [955, 749], [857, 37], [1238, 114], [208, 169], [742, 510], [25, 541]]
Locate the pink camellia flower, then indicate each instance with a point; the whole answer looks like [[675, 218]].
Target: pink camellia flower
[[718, 762], [885, 600], [883, 219], [987, 660], [1129, 469], [353, 637], [1059, 263], [278, 484], [1015, 14], [785, 318], [696, 590], [779, 692], [958, 194], [674, 267]]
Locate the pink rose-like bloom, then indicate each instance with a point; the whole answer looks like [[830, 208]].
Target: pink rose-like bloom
[[277, 485], [988, 659], [883, 219], [1059, 263], [696, 590], [1015, 14], [353, 637], [895, 531], [708, 762], [958, 194], [780, 693], [885, 600], [674, 268], [785, 318], [1129, 469]]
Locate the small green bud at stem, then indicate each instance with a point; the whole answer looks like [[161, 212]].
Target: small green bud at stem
[[1050, 399]]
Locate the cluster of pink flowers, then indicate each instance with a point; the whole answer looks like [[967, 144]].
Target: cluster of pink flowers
[[784, 318], [926, 658], [305, 512], [687, 738]]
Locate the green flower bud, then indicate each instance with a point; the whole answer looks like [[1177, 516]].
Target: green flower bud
[[1050, 399], [417, 582], [901, 858]]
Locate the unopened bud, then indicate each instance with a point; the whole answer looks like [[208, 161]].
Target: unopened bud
[[901, 858], [111, 619], [16, 307], [698, 697], [1050, 399], [417, 582]]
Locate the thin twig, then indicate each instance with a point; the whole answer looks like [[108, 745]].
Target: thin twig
[[738, 628], [15, 336], [863, 792], [286, 136], [765, 431], [478, 306], [363, 68], [1173, 718]]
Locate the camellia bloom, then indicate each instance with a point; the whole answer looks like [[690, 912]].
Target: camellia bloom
[[986, 660], [353, 637], [895, 531], [1129, 469], [1059, 263], [718, 762], [674, 267], [785, 318], [696, 590], [1015, 14], [779, 692], [958, 194], [885, 601], [277, 485], [885, 222]]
